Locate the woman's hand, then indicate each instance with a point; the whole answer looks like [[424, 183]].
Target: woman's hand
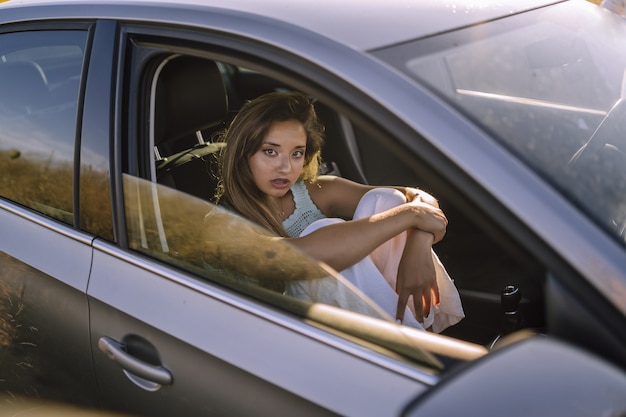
[[417, 276], [428, 218], [415, 194]]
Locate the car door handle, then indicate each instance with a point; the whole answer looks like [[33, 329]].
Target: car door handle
[[115, 351]]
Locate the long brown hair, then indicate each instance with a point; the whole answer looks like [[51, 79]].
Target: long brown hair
[[236, 187]]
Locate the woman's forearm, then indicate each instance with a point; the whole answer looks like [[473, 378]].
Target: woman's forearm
[[343, 244], [417, 276]]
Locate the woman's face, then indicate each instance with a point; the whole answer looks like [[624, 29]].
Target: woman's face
[[278, 163]]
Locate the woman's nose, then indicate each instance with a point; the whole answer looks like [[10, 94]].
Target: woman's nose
[[284, 164]]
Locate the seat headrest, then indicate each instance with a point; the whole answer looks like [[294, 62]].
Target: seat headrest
[[23, 87], [190, 96]]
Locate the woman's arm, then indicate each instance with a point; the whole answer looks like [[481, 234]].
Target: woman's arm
[[344, 244], [339, 197], [412, 194], [417, 276]]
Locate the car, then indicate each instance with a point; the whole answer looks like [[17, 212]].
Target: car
[[512, 114]]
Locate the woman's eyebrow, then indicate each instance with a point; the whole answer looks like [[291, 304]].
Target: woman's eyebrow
[[267, 142]]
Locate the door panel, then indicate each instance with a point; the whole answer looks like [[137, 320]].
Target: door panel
[[44, 339], [226, 355]]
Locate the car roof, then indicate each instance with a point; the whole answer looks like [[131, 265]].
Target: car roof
[[362, 24]]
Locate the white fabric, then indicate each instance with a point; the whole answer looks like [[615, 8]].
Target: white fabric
[[375, 276]]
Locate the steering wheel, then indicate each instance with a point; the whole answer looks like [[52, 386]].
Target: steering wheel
[[606, 135], [599, 168]]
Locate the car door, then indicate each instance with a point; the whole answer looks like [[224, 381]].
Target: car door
[[44, 259], [175, 337]]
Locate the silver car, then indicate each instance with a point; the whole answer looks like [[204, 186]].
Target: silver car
[[511, 113]]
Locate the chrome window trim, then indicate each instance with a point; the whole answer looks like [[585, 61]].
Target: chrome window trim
[[48, 223]]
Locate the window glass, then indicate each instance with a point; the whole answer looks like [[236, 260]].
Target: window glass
[[39, 86], [200, 237]]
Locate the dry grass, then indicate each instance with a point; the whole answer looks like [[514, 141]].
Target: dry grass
[[47, 187], [30, 181]]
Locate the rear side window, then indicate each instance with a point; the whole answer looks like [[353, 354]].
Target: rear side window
[[39, 89]]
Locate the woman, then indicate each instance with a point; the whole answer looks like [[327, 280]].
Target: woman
[[269, 174]]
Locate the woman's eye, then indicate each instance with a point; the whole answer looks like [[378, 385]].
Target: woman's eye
[[269, 152], [298, 154]]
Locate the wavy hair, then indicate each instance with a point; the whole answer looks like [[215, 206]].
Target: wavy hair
[[244, 137]]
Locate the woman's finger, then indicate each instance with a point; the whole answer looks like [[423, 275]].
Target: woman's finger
[[435, 291], [426, 301]]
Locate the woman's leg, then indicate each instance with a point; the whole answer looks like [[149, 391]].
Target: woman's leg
[[363, 279], [387, 257], [384, 257]]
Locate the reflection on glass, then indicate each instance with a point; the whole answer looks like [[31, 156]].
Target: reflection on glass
[[39, 85], [200, 237], [95, 202], [37, 360]]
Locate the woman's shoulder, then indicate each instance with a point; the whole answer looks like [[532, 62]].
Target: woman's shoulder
[[321, 190], [336, 196], [325, 183]]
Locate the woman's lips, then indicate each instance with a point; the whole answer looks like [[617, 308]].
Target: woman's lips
[[280, 183]]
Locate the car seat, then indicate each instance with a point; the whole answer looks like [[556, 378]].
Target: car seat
[[190, 98]]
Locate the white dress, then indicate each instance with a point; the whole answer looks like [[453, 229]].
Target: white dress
[[375, 275]]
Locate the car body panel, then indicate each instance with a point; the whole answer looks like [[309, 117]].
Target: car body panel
[[350, 22], [44, 270]]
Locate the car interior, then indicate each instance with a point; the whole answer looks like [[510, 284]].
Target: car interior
[[196, 98]]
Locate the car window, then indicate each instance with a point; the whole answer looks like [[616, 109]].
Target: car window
[[191, 105], [202, 238], [170, 214], [196, 236], [39, 86], [550, 87], [171, 217]]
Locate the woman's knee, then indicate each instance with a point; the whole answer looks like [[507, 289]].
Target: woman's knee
[[380, 199]]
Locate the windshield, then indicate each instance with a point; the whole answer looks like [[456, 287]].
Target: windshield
[[550, 86]]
